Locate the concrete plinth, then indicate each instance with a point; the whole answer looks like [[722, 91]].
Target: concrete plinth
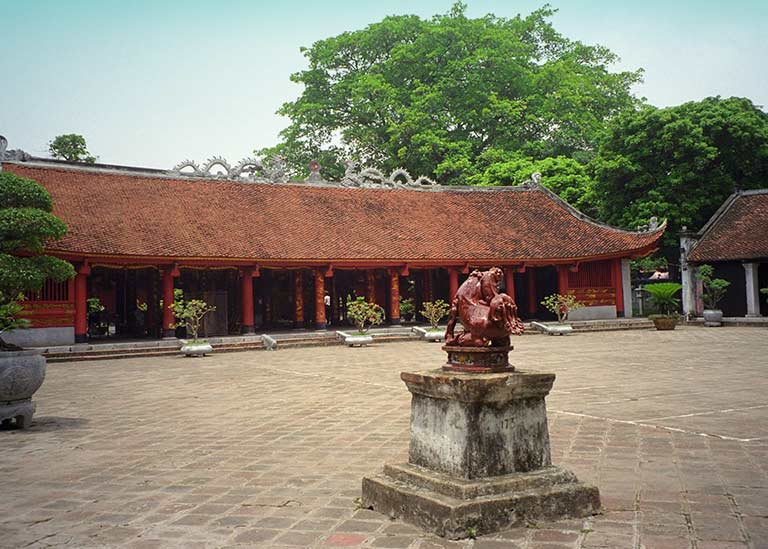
[[479, 458]]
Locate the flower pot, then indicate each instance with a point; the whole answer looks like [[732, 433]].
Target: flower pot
[[196, 348], [21, 374], [713, 317], [664, 322]]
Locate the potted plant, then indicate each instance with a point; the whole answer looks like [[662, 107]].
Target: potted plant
[[26, 225], [364, 315], [713, 291], [190, 314], [663, 296], [434, 312], [560, 305], [407, 309]]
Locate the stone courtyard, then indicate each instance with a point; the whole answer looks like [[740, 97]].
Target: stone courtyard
[[267, 449]]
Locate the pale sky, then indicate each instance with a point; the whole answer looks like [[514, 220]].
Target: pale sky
[[152, 82]]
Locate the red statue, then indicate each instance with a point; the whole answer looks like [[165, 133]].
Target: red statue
[[489, 316]]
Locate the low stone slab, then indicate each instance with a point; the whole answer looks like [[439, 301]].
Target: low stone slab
[[353, 340], [552, 329], [456, 508], [429, 334]]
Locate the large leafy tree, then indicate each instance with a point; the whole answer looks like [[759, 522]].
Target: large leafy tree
[[26, 225], [433, 95], [680, 163], [71, 147]]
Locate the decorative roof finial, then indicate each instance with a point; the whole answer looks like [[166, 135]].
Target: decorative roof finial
[[3, 146], [314, 172]]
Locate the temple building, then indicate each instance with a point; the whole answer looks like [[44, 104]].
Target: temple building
[[735, 242], [266, 251]]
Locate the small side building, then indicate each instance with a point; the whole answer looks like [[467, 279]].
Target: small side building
[[735, 242]]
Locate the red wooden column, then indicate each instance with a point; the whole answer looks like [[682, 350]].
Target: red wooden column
[[394, 296], [168, 319], [453, 283], [562, 280], [532, 303], [509, 282], [618, 286], [370, 286], [320, 321], [298, 299], [81, 303], [246, 300]]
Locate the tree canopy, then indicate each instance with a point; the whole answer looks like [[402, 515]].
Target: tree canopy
[[71, 147], [433, 95], [680, 162]]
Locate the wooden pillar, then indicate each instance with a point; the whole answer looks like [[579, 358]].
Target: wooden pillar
[[149, 319], [533, 305], [81, 303], [168, 319], [370, 286], [562, 280], [246, 301], [320, 321], [427, 283], [509, 282], [394, 297], [618, 286], [298, 299], [453, 283]]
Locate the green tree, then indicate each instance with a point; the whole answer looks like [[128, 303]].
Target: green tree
[[71, 147], [26, 225], [189, 312], [435, 311], [680, 163], [433, 95], [363, 313]]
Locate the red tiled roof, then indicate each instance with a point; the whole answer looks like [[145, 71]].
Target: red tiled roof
[[739, 230], [127, 214]]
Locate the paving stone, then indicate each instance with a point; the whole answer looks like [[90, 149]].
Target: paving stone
[[262, 449]]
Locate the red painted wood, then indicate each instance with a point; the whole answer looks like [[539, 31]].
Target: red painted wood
[[394, 296], [81, 306], [453, 283], [298, 298], [618, 286], [562, 279], [168, 318], [246, 299], [532, 302], [320, 298], [509, 282]]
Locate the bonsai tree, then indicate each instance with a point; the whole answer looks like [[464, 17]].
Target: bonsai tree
[[363, 313], [663, 296], [189, 313], [407, 309], [714, 288], [561, 305], [435, 311], [26, 226]]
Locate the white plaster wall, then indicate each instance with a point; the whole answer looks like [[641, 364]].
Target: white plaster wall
[[41, 337], [626, 287]]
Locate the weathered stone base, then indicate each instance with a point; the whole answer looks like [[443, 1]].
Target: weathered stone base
[[457, 508], [20, 411]]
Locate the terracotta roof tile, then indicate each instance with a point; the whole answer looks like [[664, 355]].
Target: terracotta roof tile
[[127, 214], [738, 231]]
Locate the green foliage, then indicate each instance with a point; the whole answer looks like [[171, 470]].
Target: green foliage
[[363, 313], [70, 147], [433, 95], [680, 163], [189, 313], [561, 305], [435, 311], [764, 291], [10, 309], [714, 288], [407, 309], [94, 305], [26, 226], [649, 264], [663, 296]]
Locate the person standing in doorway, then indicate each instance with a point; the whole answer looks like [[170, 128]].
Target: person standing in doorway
[[327, 301]]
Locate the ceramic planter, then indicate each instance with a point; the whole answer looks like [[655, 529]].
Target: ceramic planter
[[429, 334], [355, 340], [198, 348], [663, 322], [713, 317], [553, 328], [21, 374]]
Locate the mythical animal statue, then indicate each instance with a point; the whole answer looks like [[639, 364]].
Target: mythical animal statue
[[489, 317]]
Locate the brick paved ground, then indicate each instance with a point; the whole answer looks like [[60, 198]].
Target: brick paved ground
[[267, 449]]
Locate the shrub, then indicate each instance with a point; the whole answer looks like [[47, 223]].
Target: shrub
[[189, 313], [663, 296], [435, 311], [363, 313], [561, 305], [714, 288], [407, 309]]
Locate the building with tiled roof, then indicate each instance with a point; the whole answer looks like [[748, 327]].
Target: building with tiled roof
[[735, 242], [267, 251]]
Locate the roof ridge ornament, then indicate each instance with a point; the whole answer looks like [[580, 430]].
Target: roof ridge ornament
[[373, 178], [534, 182], [13, 154]]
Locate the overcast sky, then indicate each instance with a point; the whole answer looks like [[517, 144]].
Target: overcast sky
[[152, 82]]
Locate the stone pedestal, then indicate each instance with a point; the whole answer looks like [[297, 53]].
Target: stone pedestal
[[479, 458]]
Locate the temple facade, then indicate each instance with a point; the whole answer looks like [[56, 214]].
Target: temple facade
[[267, 251]]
